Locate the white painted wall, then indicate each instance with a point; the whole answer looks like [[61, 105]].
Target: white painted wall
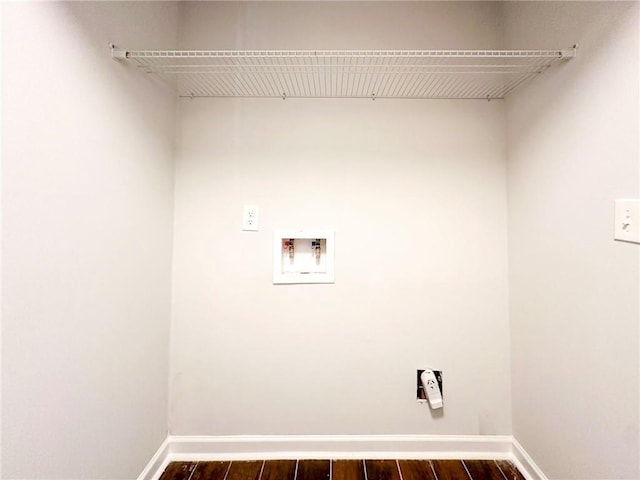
[[416, 194], [573, 148], [86, 240]]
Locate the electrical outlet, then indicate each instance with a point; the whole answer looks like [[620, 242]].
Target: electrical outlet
[[627, 220], [250, 218]]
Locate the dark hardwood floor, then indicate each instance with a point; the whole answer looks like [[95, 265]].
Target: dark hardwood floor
[[344, 470]]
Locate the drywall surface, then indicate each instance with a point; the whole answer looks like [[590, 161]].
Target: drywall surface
[[87, 149], [415, 192], [573, 148]]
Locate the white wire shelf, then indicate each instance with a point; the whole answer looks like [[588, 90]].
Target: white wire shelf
[[417, 74]]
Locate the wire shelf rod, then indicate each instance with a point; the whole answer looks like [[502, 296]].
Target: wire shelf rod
[[131, 54], [364, 97], [353, 70]]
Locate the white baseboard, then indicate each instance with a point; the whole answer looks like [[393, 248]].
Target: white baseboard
[[252, 447], [266, 447]]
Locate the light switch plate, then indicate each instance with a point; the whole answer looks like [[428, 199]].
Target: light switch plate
[[627, 220]]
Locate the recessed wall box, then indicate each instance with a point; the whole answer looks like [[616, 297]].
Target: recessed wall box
[[303, 256]]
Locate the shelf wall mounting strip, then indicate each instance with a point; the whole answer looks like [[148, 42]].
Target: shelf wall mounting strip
[[414, 74]]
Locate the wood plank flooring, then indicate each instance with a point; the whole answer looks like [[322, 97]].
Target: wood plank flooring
[[344, 470]]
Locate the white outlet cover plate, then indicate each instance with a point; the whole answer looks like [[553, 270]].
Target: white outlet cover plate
[[250, 216], [627, 220]]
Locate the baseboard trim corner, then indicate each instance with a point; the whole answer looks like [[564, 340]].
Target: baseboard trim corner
[[158, 462], [525, 463]]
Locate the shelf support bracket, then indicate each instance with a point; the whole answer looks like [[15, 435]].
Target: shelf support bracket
[[569, 52], [117, 53]]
